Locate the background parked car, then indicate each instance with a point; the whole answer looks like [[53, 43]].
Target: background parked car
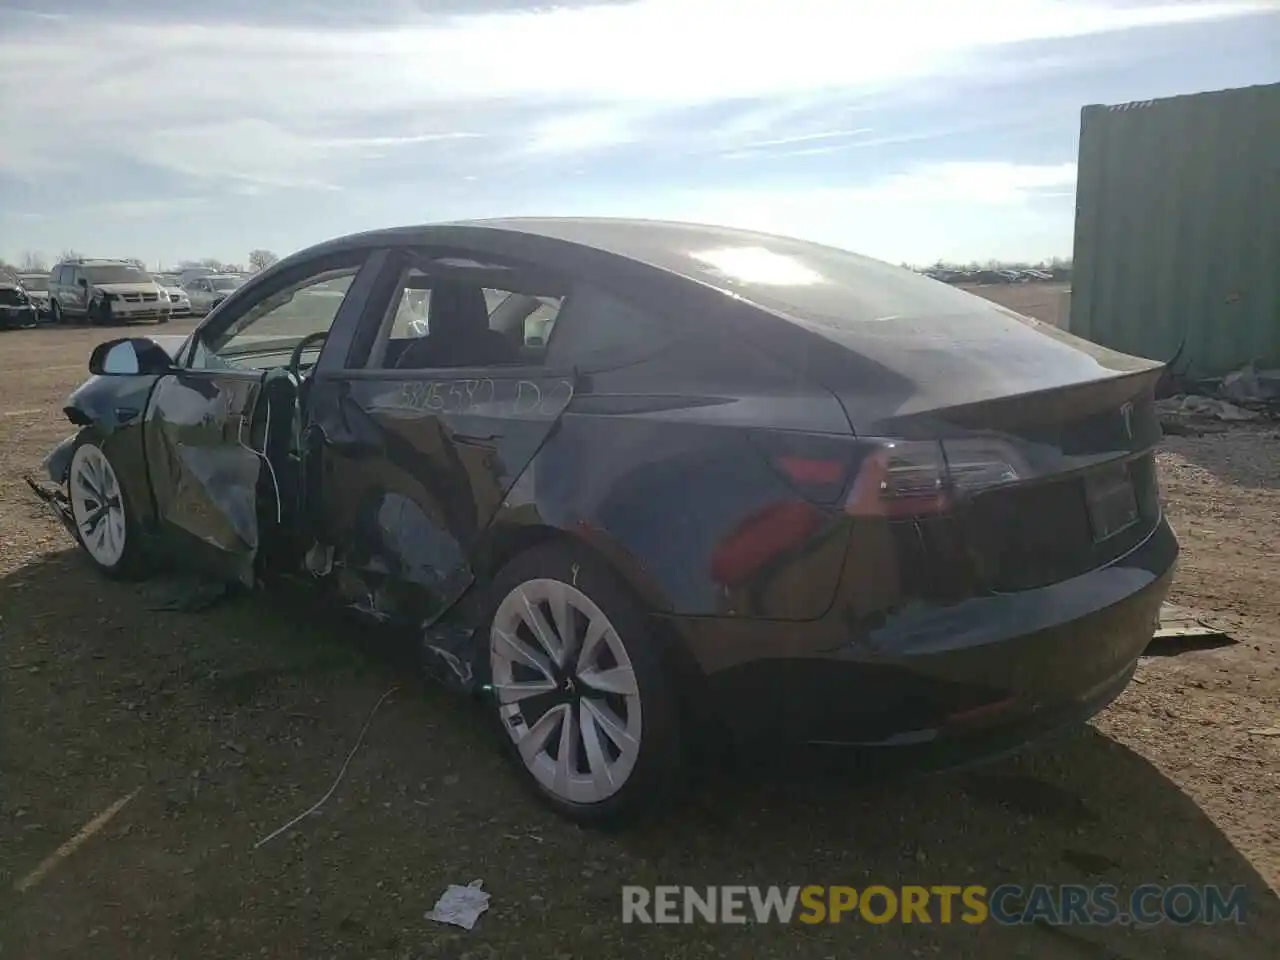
[[178, 299], [188, 274], [37, 287], [106, 291], [205, 293], [16, 309]]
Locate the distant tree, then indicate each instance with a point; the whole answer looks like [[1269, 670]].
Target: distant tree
[[33, 262], [70, 254], [232, 268], [261, 259]]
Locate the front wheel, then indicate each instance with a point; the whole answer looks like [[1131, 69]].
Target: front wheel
[[56, 311], [103, 518], [581, 688]]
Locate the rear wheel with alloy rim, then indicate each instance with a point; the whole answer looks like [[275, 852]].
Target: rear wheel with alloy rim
[[581, 689], [101, 513]]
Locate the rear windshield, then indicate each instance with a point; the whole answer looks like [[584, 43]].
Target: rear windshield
[[116, 274], [36, 283], [226, 283]]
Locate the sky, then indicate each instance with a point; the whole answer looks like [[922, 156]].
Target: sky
[[911, 131]]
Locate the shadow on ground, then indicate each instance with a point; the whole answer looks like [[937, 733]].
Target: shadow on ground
[[231, 722], [1246, 456]]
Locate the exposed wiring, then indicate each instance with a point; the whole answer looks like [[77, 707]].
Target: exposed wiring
[[341, 773], [261, 455]]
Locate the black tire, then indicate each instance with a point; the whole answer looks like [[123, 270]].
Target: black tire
[[131, 563], [652, 782], [56, 311]]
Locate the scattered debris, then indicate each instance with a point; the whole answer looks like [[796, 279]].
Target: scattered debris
[[185, 592], [70, 847], [341, 773], [1191, 406], [1180, 631], [460, 906], [1251, 385]]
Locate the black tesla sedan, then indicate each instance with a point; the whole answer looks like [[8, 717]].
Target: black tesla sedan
[[630, 480]]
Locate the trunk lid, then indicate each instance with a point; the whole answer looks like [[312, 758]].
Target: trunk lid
[[1074, 423]]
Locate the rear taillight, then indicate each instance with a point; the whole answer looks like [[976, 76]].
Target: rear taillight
[[902, 478], [914, 478], [879, 477]]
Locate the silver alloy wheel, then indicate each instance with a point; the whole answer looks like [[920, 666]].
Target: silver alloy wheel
[[97, 505], [566, 690]]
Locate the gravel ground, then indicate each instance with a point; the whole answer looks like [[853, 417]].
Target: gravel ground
[[222, 726]]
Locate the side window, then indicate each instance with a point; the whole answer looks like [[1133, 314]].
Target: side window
[[410, 307], [598, 330], [70, 274], [479, 316], [264, 331], [55, 277]]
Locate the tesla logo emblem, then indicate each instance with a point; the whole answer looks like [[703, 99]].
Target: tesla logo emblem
[[1126, 415]]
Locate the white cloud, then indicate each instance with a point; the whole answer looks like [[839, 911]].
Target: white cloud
[[952, 211], [270, 105], [988, 183]]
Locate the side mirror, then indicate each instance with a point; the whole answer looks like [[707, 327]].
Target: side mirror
[[82, 281], [131, 357]]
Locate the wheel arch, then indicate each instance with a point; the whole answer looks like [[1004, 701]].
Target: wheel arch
[[506, 541], [110, 412]]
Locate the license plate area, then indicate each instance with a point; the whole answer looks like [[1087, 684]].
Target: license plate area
[[1112, 501]]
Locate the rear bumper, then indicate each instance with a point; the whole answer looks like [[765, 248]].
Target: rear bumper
[[944, 684]]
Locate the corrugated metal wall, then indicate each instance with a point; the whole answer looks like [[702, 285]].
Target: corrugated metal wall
[[1178, 228]]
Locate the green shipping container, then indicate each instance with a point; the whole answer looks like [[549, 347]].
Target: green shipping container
[[1177, 236]]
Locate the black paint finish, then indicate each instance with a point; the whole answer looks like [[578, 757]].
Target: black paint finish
[[725, 447]]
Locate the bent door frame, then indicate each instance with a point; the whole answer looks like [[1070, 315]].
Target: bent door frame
[[203, 475], [397, 446]]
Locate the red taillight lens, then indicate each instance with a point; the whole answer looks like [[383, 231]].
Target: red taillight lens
[[808, 472]]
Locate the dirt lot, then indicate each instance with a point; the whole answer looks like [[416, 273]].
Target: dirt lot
[[1044, 301], [224, 725]]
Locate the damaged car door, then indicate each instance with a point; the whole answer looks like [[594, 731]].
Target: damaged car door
[[219, 432], [443, 403]]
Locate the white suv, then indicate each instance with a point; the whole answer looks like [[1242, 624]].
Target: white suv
[[104, 292], [207, 292]]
